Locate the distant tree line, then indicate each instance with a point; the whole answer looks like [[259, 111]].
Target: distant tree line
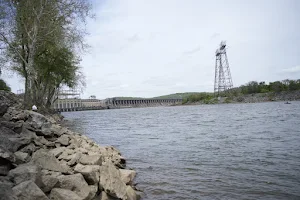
[[251, 87], [277, 86]]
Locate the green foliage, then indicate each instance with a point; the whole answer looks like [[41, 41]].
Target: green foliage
[[277, 86], [204, 97], [228, 100], [4, 86], [41, 40]]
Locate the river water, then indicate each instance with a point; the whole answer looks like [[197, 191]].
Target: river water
[[234, 151]]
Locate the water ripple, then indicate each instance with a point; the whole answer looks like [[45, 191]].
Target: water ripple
[[236, 151]]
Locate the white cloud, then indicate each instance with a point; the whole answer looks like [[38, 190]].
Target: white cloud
[[291, 69]]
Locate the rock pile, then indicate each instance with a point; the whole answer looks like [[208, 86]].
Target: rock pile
[[40, 160]]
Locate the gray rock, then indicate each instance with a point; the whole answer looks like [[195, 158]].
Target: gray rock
[[30, 148], [91, 159], [48, 161], [131, 194], [46, 129], [77, 184], [57, 151], [3, 109], [14, 126], [36, 120], [127, 175], [18, 142], [6, 132], [26, 172], [7, 155], [66, 154], [6, 161], [21, 157], [4, 167], [40, 141], [82, 150], [48, 182], [58, 130], [28, 190], [6, 192], [64, 140], [28, 133], [19, 115], [111, 182], [74, 159], [105, 196], [63, 194], [91, 173]]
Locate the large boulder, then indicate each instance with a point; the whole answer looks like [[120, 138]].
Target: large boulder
[[47, 161], [6, 161], [64, 140], [28, 190], [91, 173], [30, 148], [131, 194], [6, 192], [26, 172], [63, 194], [105, 196], [15, 114], [111, 182], [40, 141], [74, 159], [91, 159], [77, 184], [14, 126], [39, 123], [21, 157], [127, 175], [57, 151], [49, 180]]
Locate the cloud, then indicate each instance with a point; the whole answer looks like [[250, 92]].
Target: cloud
[[192, 51], [291, 69], [215, 35], [134, 38]]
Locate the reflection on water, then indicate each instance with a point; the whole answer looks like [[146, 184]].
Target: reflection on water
[[235, 151]]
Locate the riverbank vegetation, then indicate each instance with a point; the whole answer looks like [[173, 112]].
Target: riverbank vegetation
[[268, 90], [41, 40]]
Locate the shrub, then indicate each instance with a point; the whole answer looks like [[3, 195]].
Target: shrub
[[4, 86]]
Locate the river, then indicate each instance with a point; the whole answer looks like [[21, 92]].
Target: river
[[232, 151]]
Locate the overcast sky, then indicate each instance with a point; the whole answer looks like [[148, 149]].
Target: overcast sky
[[147, 48]]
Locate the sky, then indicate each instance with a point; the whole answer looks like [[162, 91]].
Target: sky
[[156, 47]]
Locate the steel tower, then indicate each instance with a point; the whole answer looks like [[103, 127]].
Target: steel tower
[[223, 80]]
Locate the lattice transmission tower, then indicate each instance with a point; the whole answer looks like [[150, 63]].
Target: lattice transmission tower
[[223, 80]]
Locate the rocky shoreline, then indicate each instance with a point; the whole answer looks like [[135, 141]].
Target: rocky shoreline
[[41, 160]]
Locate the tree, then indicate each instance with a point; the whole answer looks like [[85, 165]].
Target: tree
[[33, 30], [276, 86]]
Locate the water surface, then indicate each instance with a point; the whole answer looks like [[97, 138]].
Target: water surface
[[234, 151]]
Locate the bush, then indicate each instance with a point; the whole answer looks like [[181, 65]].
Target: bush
[[228, 100], [4, 86], [240, 99]]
